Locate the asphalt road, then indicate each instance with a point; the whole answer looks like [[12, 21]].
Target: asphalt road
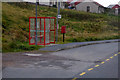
[[107, 70], [100, 59]]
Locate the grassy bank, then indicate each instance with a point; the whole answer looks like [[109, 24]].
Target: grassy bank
[[81, 26]]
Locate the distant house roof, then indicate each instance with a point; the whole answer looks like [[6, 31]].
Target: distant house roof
[[110, 6], [80, 1], [113, 6], [98, 4], [77, 2], [116, 6]]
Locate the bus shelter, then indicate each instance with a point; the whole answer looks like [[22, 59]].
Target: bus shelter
[[45, 30]]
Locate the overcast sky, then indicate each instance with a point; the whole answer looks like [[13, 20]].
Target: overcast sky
[[107, 2]]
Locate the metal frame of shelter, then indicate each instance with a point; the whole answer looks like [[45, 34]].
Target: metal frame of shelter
[[45, 30]]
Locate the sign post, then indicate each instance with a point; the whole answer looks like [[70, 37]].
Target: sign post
[[36, 25], [58, 5]]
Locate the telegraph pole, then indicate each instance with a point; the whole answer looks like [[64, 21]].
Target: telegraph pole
[[36, 23], [58, 12]]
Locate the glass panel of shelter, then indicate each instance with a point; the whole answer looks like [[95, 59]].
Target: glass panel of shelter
[[42, 30], [52, 30], [38, 31], [32, 30], [47, 31]]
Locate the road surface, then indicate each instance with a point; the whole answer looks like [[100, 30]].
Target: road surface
[[92, 61]]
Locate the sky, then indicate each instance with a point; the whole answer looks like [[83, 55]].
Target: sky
[[106, 3]]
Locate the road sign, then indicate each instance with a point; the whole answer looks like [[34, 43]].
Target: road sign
[[59, 16]]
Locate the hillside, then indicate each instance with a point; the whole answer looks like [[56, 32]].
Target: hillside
[[81, 26]]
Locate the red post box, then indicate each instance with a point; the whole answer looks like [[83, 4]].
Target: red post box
[[63, 29]]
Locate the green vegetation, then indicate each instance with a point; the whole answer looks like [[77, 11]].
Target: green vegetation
[[81, 26]]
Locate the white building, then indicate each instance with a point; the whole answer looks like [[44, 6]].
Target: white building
[[48, 2], [88, 6]]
